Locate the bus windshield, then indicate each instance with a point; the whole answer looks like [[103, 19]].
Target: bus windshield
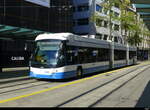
[[46, 53]]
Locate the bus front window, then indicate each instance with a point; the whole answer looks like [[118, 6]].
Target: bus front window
[[46, 54]]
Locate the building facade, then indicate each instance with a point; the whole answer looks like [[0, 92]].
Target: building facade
[[144, 47], [99, 29], [22, 20], [84, 11], [23, 13]]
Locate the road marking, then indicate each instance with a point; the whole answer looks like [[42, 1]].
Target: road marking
[[63, 85]]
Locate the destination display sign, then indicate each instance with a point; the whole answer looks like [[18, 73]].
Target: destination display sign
[[45, 3]]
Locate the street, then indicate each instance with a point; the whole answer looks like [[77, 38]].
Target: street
[[123, 87]]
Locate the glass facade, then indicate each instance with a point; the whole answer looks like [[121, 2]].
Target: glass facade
[[15, 53], [20, 13], [27, 15]]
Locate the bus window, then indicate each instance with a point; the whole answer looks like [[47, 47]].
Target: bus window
[[119, 55], [72, 55], [103, 54], [48, 54]]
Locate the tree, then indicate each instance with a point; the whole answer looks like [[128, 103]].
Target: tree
[[126, 17], [132, 28], [107, 6], [130, 24]]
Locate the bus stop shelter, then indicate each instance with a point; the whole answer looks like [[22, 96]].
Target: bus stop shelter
[[18, 32], [16, 45]]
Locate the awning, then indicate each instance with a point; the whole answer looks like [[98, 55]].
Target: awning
[[18, 31]]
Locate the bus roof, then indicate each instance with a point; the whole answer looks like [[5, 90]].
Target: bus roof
[[84, 41], [60, 36]]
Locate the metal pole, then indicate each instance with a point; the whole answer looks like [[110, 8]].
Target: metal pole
[[127, 54], [111, 64]]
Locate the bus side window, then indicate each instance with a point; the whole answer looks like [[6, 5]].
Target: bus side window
[[119, 55], [89, 55], [72, 55], [95, 55], [81, 55], [103, 54]]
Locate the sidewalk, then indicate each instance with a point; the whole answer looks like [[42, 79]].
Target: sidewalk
[[14, 73], [14, 69]]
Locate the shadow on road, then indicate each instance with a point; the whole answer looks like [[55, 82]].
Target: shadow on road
[[14, 74], [144, 100]]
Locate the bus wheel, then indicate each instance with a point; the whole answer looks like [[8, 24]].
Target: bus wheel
[[79, 72]]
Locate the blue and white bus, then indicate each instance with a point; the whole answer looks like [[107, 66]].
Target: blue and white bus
[[65, 55]]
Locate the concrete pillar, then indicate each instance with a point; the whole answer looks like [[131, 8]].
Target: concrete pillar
[[127, 54], [111, 64]]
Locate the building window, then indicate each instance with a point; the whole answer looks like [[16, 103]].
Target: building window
[[120, 40], [105, 37], [99, 22], [83, 21], [111, 12], [84, 7], [116, 14], [74, 9], [105, 24], [74, 23], [116, 27], [116, 39], [98, 8], [21, 13], [98, 36]]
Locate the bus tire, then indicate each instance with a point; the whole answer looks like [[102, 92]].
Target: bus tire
[[79, 72]]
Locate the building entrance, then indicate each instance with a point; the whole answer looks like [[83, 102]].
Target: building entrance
[[15, 53]]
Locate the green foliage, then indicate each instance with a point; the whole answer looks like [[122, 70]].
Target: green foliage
[[95, 16], [108, 5], [135, 39], [129, 20], [130, 23]]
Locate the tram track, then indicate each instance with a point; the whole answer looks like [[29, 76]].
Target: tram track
[[14, 80], [18, 83], [34, 83], [72, 100], [22, 82], [114, 90], [25, 85]]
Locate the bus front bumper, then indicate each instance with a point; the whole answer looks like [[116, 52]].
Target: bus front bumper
[[60, 75]]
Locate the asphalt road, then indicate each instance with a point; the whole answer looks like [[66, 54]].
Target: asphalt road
[[124, 87]]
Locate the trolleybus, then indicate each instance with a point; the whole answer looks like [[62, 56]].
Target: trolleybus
[[66, 55]]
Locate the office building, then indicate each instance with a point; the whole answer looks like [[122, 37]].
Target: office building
[[22, 20]]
